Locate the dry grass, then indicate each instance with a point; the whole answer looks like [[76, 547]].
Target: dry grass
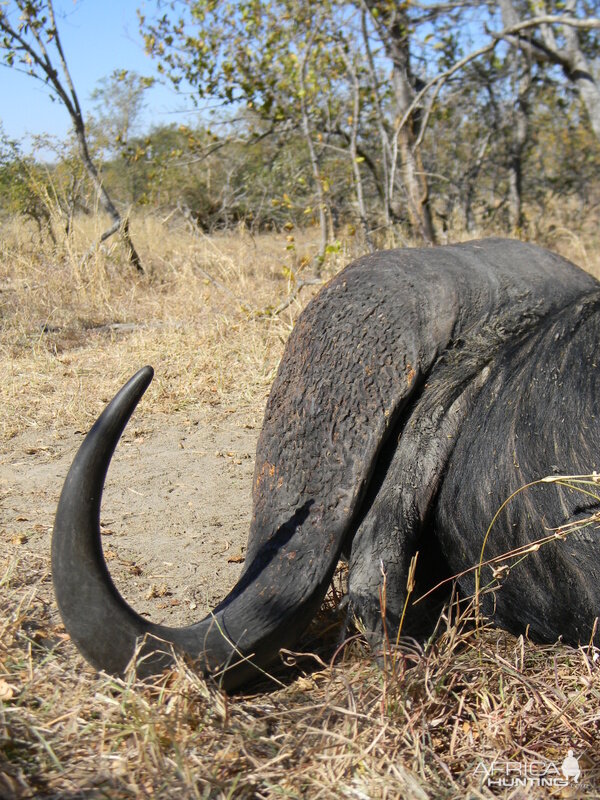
[[344, 727], [341, 729], [202, 297]]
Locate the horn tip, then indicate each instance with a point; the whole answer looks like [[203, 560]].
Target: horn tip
[[145, 374]]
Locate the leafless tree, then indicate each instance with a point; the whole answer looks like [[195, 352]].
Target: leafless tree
[[26, 43]]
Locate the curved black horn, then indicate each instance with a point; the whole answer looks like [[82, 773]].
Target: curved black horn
[[245, 630]]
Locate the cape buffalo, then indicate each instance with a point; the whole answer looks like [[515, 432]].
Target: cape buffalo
[[417, 391]]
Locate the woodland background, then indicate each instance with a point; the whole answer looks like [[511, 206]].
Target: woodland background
[[395, 121]]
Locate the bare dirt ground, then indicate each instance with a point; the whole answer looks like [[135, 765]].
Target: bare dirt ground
[[177, 501], [176, 507]]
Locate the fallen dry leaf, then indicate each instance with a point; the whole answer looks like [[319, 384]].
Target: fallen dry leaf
[[158, 591], [7, 692]]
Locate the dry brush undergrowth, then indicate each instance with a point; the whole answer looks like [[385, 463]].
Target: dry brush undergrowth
[[424, 724]]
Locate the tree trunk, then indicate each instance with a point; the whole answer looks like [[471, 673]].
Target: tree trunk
[[314, 160], [413, 173], [580, 74], [383, 184], [358, 186], [519, 132], [393, 25], [519, 144], [105, 201]]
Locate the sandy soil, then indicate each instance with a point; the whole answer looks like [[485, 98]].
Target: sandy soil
[[175, 512]]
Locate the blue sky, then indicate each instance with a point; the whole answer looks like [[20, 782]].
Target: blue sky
[[98, 36]]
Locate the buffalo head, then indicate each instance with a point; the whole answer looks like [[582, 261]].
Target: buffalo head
[[418, 389]]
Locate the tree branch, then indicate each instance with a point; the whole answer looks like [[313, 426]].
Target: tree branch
[[590, 23]]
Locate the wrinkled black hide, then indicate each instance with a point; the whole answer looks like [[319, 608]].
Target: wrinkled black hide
[[537, 415]]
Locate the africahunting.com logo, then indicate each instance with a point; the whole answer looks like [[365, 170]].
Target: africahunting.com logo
[[513, 774]]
